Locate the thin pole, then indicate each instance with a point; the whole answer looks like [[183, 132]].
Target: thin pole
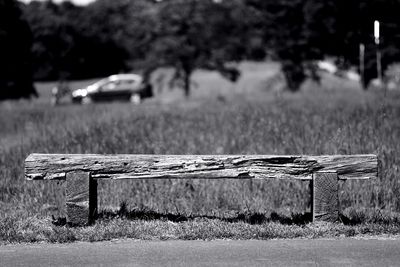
[[362, 65], [378, 52], [379, 65]]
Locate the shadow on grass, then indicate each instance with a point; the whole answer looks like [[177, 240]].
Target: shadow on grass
[[352, 217], [359, 216], [250, 218]]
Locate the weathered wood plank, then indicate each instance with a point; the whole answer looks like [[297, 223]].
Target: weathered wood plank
[[81, 198], [325, 197], [55, 166]]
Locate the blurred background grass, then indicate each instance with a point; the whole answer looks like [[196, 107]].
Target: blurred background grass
[[252, 116]]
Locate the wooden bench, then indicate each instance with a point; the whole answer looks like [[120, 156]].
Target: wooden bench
[[81, 173]]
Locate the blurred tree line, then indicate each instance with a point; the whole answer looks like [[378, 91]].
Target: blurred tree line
[[48, 41], [15, 54]]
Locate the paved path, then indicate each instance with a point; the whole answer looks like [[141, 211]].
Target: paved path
[[344, 252]]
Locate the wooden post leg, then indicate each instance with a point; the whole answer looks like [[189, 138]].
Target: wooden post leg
[[324, 197], [81, 202]]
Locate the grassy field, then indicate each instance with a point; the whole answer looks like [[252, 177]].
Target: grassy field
[[250, 117]]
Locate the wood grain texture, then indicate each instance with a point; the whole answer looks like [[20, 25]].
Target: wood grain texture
[[81, 198], [325, 198], [55, 166]]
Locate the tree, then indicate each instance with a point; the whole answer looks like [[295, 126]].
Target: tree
[[53, 39], [296, 33], [351, 33], [192, 34], [300, 32], [72, 42], [15, 44]]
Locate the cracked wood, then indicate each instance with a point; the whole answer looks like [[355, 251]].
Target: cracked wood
[[55, 166]]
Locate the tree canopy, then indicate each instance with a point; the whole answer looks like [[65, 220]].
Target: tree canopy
[[15, 47], [197, 34]]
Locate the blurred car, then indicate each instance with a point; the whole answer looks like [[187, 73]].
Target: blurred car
[[119, 87]]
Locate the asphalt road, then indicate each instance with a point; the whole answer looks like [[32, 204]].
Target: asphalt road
[[320, 252]]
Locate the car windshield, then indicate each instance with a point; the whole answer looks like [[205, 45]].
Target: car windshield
[[101, 82], [134, 79]]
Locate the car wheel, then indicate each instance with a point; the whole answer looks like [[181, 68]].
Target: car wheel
[[86, 100], [135, 99]]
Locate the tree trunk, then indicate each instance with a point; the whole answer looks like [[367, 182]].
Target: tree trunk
[[186, 81]]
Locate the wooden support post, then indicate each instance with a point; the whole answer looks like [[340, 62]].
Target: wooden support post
[[81, 198], [324, 197]]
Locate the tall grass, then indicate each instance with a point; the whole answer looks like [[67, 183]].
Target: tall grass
[[315, 121]]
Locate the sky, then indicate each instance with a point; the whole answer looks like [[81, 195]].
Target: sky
[[77, 2]]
